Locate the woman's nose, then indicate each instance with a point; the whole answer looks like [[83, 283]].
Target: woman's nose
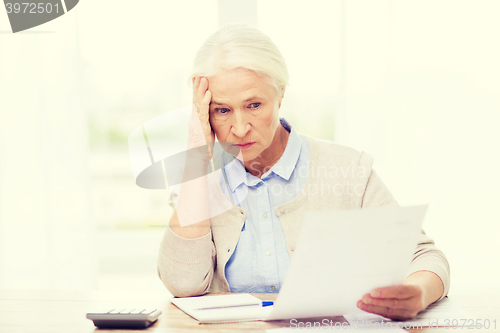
[[240, 125]]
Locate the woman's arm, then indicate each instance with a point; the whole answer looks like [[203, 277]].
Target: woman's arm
[[187, 254], [186, 265], [429, 276], [191, 218]]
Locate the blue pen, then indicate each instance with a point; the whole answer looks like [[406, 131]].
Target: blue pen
[[264, 303]]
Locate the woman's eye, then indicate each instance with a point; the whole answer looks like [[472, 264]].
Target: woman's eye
[[254, 105], [222, 111]]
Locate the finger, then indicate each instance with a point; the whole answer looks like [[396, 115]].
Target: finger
[[203, 86], [210, 135], [196, 86], [204, 108], [396, 303], [399, 291], [398, 314], [204, 114], [205, 102]]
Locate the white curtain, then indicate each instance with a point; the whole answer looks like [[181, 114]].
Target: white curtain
[[45, 225]]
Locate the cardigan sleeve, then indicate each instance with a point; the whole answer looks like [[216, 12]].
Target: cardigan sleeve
[[186, 266], [427, 256]]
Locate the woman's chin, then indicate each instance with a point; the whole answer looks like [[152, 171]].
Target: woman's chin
[[241, 157], [245, 156], [240, 154]]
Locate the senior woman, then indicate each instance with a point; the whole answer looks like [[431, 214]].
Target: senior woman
[[239, 81]]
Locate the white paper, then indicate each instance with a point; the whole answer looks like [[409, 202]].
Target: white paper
[[340, 256]]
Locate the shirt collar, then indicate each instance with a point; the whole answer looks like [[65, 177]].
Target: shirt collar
[[286, 164], [236, 173]]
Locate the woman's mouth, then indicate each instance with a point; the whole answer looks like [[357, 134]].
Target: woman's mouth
[[245, 145]]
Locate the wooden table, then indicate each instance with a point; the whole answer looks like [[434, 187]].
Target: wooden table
[[61, 311]]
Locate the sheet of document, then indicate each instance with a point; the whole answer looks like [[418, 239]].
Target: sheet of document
[[342, 255], [443, 313]]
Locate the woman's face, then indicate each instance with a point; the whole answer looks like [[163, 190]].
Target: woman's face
[[244, 111]]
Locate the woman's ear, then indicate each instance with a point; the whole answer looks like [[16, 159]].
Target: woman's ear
[[281, 93]]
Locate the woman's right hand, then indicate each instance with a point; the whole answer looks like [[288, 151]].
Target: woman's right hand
[[200, 131]]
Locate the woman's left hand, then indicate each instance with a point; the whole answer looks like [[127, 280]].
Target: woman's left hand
[[395, 302], [404, 301]]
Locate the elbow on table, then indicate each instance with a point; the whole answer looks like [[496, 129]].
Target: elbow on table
[[186, 286], [186, 290]]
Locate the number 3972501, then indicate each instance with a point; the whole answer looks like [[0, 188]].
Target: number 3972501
[[471, 323], [31, 8]]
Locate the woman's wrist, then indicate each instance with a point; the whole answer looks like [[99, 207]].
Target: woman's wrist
[[195, 166], [430, 283]]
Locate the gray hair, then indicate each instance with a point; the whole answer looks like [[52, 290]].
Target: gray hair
[[241, 46]]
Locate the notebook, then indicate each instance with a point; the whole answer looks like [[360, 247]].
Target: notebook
[[223, 308]]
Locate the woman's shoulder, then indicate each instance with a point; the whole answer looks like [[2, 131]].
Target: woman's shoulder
[[332, 153]]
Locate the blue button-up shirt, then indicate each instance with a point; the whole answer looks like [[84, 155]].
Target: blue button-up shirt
[[260, 261]]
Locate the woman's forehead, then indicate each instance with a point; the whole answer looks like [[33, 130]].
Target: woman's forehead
[[240, 84]]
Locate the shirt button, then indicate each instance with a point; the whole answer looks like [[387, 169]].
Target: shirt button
[[264, 215], [268, 253], [273, 288], [261, 183]]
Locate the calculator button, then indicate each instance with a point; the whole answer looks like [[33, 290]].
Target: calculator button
[[148, 311], [125, 311], [136, 311], [116, 311]]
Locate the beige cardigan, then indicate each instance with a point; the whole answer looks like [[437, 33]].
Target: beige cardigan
[[339, 178]]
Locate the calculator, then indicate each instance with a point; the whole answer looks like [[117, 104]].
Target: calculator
[[125, 318]]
